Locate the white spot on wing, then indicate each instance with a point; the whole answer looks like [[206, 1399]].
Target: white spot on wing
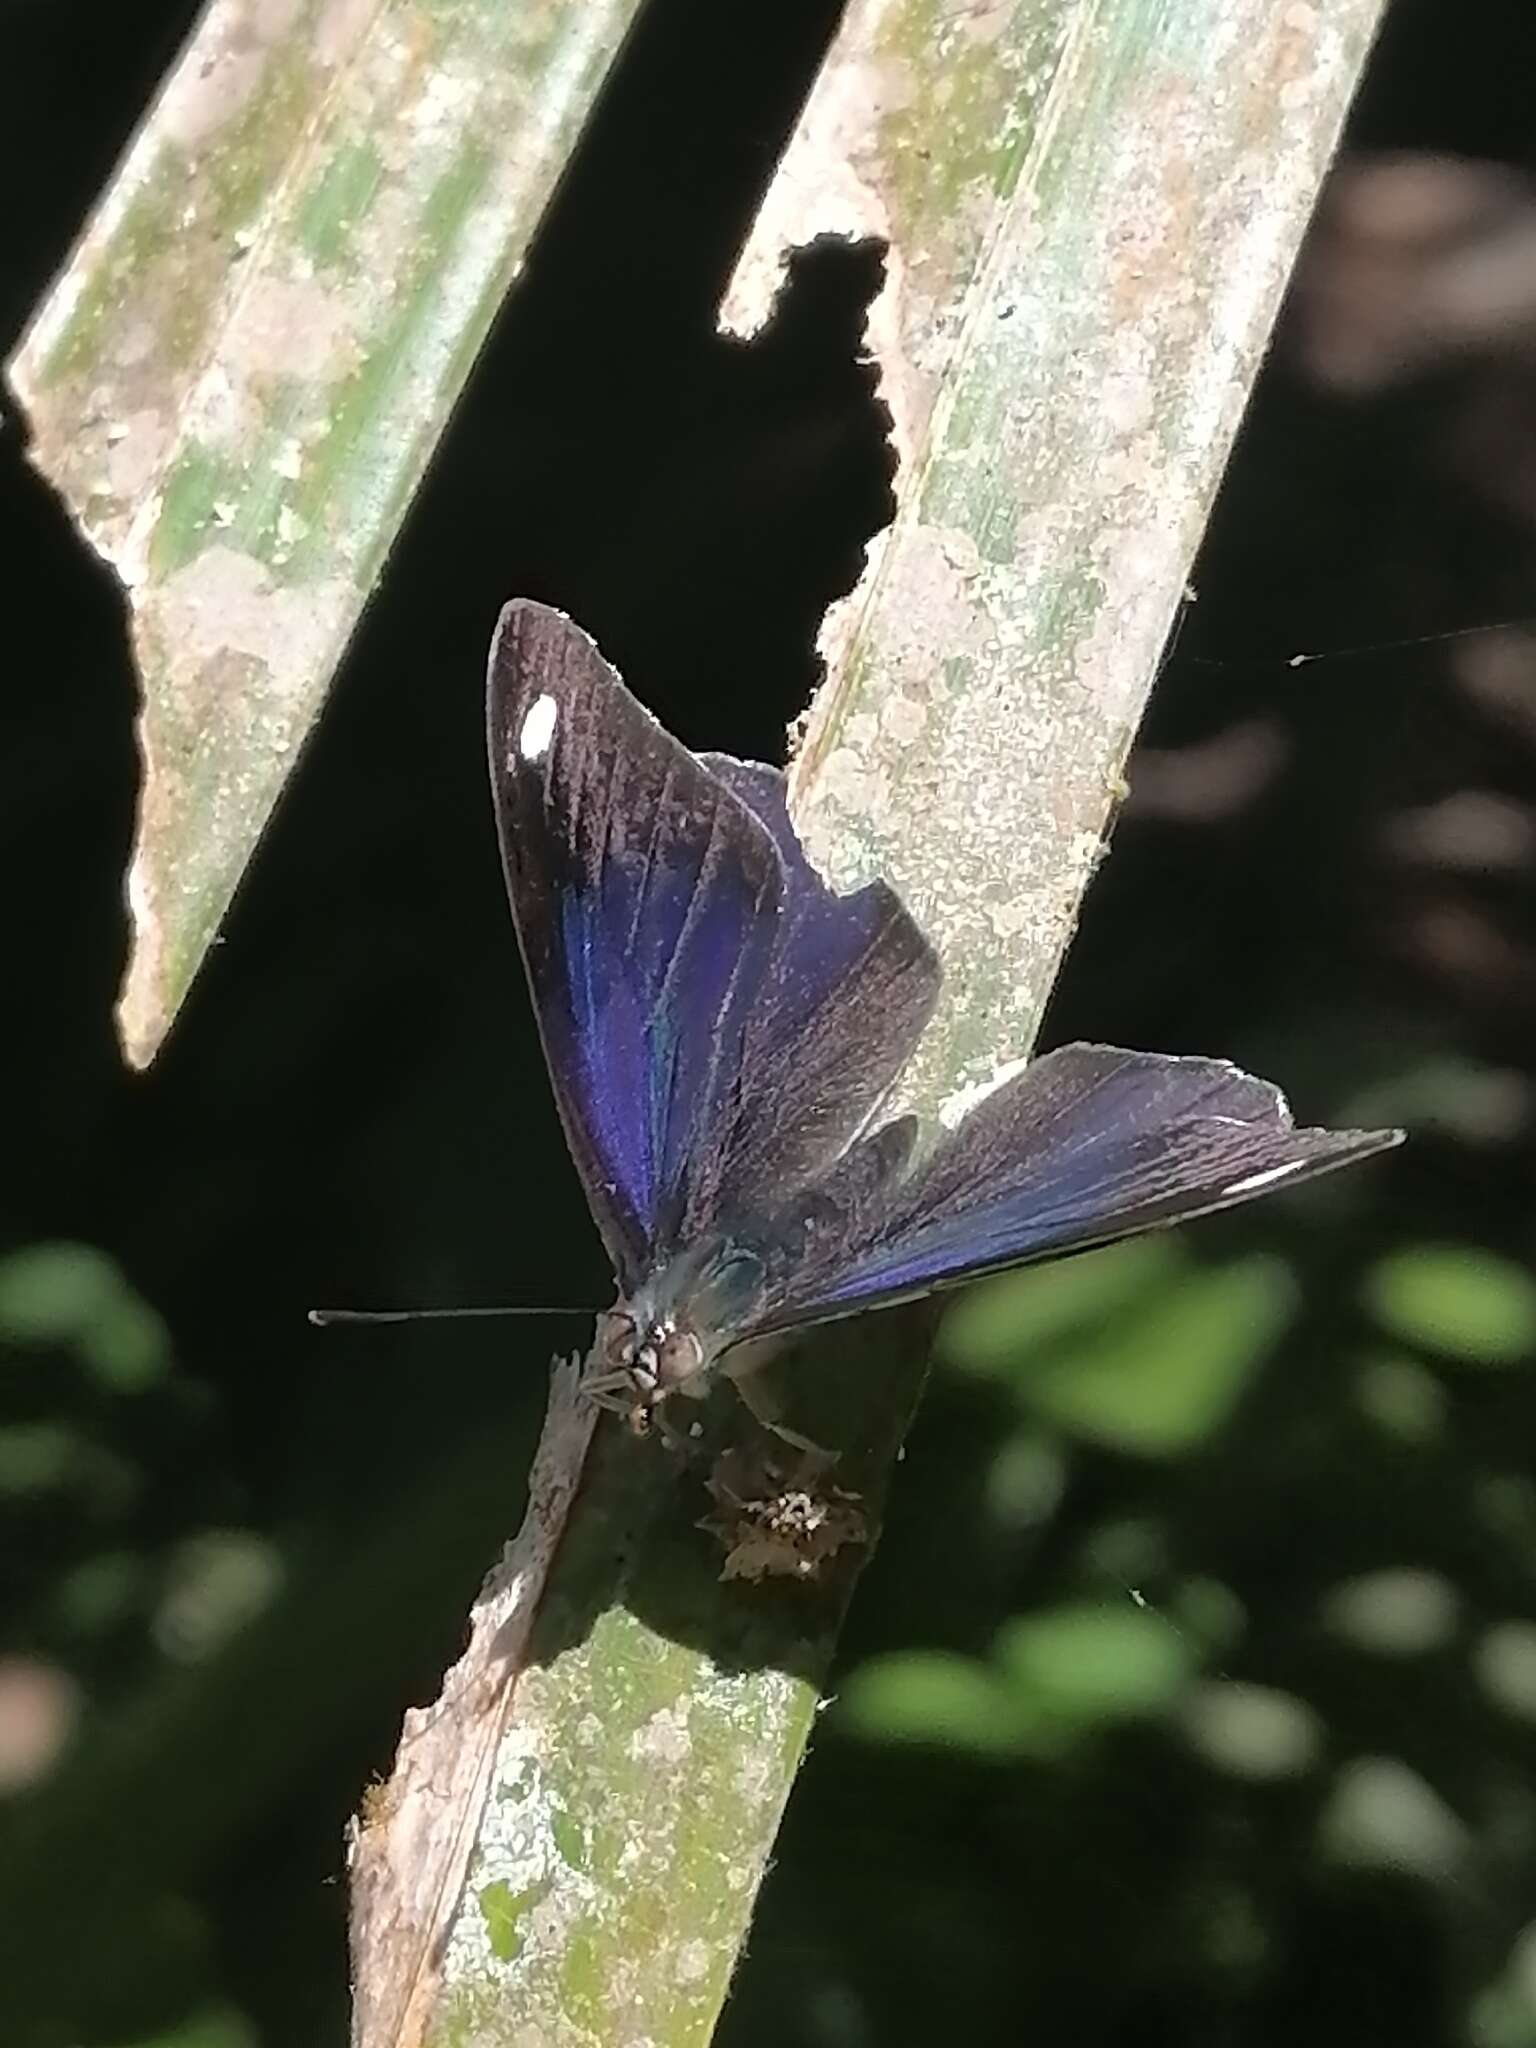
[[1263, 1180], [538, 728]]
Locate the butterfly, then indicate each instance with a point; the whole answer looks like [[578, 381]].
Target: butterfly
[[721, 1029]]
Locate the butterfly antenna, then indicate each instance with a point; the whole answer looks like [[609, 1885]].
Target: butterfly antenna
[[327, 1318]]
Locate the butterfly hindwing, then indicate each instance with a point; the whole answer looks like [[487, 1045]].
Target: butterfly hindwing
[[849, 989]]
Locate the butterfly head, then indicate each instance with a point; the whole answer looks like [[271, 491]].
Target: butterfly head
[[639, 1360], [667, 1337]]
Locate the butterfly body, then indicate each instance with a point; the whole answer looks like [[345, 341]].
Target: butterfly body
[[666, 1338], [723, 1030]]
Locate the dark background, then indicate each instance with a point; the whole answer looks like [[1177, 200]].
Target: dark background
[[1192, 1697]]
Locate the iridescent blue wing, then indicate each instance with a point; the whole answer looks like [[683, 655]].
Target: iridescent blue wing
[[1084, 1146], [714, 1019], [644, 897]]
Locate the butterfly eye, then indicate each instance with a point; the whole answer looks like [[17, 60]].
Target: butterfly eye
[[679, 1355]]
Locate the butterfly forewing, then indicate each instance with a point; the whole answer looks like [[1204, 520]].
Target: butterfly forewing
[[645, 898], [718, 1023], [1084, 1146]]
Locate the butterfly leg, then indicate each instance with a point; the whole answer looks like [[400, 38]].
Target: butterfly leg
[[761, 1401]]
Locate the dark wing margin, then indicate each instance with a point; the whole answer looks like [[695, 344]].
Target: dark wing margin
[[1084, 1146], [645, 898]]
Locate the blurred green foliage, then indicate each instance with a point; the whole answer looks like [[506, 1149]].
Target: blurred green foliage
[[1456, 1301], [73, 1299], [1133, 1347]]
